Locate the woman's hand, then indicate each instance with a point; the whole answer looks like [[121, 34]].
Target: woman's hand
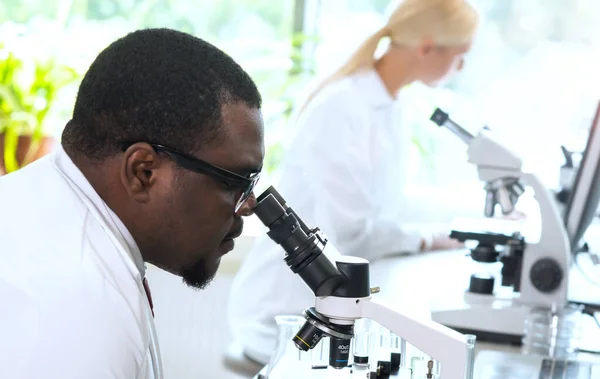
[[442, 241]]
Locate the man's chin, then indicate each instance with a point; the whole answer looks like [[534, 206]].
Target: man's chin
[[199, 275], [198, 283]]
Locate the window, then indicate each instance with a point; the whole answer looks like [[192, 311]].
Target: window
[[531, 75]]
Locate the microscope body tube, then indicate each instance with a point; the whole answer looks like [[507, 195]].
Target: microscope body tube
[[305, 251]]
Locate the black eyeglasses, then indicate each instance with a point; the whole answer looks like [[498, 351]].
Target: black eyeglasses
[[244, 183]]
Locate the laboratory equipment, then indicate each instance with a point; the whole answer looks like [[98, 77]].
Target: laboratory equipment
[[362, 346], [553, 333], [493, 364], [341, 285], [535, 271], [534, 275]]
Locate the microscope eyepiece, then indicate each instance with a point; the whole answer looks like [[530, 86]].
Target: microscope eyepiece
[[303, 247], [268, 209], [441, 118]]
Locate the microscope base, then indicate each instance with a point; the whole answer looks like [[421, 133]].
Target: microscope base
[[491, 321]]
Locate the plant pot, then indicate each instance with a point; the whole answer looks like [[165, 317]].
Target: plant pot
[[45, 147]]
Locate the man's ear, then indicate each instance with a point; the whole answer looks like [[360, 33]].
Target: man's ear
[[139, 171]]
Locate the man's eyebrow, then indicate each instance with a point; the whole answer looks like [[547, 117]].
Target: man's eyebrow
[[246, 170]]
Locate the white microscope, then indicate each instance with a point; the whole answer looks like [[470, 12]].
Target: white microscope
[[343, 293], [536, 274]]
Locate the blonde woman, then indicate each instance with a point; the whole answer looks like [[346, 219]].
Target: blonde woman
[[342, 171]]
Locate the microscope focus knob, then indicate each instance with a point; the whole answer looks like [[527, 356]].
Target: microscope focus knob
[[546, 275]]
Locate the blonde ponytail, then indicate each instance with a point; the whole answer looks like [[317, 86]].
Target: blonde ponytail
[[363, 58], [448, 22]]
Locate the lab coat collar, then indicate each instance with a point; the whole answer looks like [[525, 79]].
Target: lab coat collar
[[63, 162], [369, 82]]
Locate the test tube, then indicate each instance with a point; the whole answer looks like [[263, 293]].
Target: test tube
[[394, 341], [402, 352], [361, 348], [395, 351], [470, 340], [384, 338], [418, 365]]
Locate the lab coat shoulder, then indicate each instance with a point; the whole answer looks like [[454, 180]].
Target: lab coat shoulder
[[339, 110], [333, 133], [67, 318], [38, 212]]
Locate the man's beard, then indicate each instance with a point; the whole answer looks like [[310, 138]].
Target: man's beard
[[197, 275]]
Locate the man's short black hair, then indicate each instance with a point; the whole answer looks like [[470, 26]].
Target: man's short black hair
[[157, 86]]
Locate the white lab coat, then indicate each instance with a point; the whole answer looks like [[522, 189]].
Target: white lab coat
[[73, 302], [343, 173]]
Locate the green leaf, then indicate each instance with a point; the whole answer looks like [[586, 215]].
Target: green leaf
[[11, 140]]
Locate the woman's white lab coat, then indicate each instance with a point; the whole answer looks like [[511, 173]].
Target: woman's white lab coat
[[344, 174]]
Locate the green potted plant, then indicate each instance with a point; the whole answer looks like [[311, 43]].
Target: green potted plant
[[28, 90]]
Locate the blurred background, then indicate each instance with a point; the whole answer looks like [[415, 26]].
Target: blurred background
[[532, 76]]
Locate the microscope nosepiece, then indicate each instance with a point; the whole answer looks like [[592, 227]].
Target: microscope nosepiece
[[490, 203], [516, 188], [504, 199]]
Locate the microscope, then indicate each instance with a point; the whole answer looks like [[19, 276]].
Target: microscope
[[341, 285], [533, 275]]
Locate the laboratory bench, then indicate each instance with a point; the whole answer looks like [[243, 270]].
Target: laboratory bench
[[417, 281], [423, 279]]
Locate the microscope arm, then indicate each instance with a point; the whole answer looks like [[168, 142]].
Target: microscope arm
[[443, 344], [453, 350], [484, 151]]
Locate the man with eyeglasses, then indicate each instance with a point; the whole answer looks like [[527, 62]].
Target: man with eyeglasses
[[158, 164]]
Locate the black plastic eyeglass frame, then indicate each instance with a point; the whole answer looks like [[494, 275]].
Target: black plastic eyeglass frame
[[244, 183]]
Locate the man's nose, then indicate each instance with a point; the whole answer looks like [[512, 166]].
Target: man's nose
[[247, 209]]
